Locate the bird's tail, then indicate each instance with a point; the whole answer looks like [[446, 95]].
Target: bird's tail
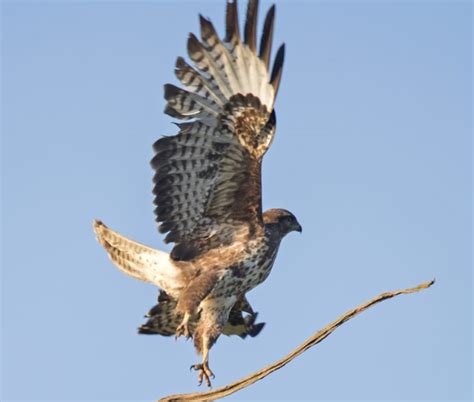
[[155, 266], [139, 261]]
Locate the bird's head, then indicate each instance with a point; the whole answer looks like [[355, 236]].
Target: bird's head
[[282, 220]]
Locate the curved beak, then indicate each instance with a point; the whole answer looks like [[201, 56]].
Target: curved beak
[[298, 228]]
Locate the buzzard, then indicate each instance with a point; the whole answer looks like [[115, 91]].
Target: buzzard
[[207, 188]]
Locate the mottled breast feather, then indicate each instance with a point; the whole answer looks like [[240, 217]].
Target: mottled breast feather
[[208, 176]]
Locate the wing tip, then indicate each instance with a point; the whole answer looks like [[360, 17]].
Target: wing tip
[[193, 44], [250, 32], [267, 36], [145, 330], [256, 329], [180, 62], [278, 68], [170, 91], [207, 30], [232, 21]]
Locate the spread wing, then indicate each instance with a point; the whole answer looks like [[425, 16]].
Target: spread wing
[[208, 176]]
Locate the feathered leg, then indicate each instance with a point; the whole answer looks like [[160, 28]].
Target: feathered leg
[[197, 290], [183, 328]]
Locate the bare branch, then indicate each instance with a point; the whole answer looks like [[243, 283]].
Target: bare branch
[[313, 340]]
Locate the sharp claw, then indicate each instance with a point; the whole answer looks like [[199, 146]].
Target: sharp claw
[[204, 373], [183, 329]]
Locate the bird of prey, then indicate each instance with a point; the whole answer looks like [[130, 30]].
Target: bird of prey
[[207, 188]]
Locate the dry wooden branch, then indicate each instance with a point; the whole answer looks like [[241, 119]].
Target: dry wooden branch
[[316, 338]]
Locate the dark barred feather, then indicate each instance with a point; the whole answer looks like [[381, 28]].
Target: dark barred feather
[[163, 319], [207, 177]]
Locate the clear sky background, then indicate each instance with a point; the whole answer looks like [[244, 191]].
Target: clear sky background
[[372, 154]]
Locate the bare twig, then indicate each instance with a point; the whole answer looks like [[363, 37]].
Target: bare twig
[[316, 338]]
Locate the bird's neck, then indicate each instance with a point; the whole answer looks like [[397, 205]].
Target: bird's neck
[[274, 233]]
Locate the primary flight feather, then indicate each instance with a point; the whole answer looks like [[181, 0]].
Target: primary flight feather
[[207, 188]]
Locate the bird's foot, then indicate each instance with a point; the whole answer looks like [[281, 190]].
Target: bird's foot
[[204, 373], [183, 329]]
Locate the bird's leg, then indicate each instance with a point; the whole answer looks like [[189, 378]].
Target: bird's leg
[[183, 328], [192, 296], [203, 368]]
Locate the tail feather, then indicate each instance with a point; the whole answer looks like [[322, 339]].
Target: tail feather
[[139, 261]]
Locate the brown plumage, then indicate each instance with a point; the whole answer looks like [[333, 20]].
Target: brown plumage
[[163, 319], [207, 188]]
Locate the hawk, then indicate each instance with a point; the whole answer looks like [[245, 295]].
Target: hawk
[[207, 188]]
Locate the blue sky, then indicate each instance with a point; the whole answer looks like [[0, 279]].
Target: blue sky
[[372, 154]]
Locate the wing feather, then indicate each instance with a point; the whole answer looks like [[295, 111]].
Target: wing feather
[[267, 36], [206, 64], [208, 176], [232, 22], [277, 68], [219, 53], [251, 25], [197, 83]]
